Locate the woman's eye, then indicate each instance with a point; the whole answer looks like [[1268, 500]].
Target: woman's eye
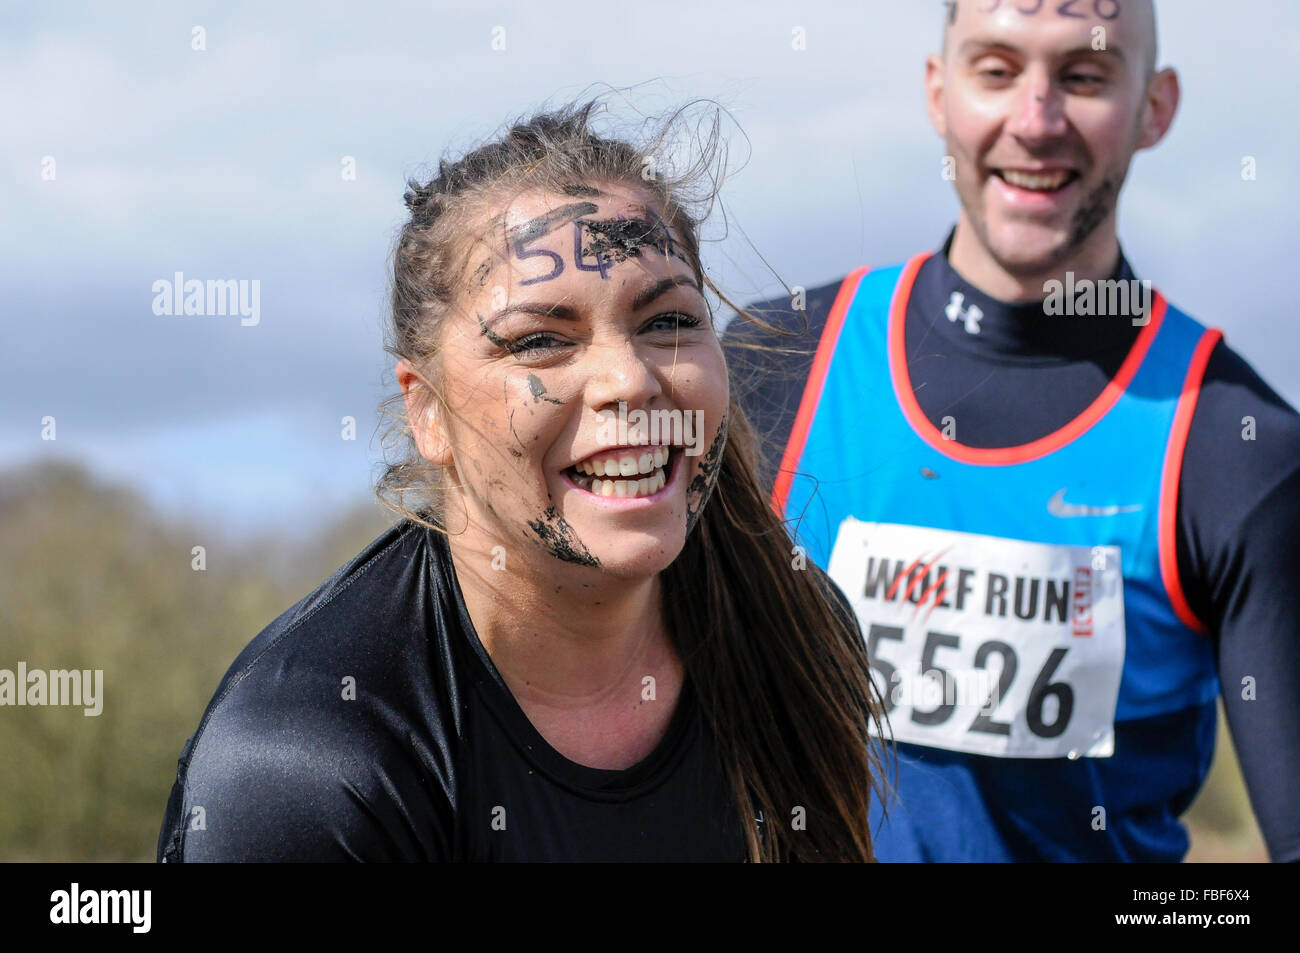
[[671, 321], [534, 343]]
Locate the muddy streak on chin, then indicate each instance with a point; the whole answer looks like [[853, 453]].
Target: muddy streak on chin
[[1093, 212], [560, 540], [701, 487]]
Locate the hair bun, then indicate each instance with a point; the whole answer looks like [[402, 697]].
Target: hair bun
[[417, 196]]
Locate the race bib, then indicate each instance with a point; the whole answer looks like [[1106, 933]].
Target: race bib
[[988, 645]]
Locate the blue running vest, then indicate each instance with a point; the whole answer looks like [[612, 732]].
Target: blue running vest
[[1005, 565]]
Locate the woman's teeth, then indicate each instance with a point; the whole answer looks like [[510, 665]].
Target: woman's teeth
[[648, 467], [624, 464]]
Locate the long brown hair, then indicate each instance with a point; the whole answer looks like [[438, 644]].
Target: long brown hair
[[777, 662]]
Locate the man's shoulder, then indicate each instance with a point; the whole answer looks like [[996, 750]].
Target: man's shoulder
[[1242, 429], [799, 311], [1232, 390]]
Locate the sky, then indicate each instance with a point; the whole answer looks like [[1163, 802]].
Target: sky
[[145, 139]]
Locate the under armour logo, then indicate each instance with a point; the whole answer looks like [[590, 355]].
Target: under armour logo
[[970, 317]]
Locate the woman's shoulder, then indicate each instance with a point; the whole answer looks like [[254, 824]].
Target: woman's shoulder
[[336, 714], [370, 606]]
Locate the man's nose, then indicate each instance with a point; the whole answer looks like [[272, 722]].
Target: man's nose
[[1038, 111], [620, 374]]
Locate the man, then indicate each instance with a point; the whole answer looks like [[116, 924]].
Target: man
[[1067, 514]]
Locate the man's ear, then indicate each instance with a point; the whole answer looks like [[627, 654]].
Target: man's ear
[[428, 426], [1162, 98], [934, 77]]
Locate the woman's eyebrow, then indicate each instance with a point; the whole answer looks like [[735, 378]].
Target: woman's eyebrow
[[561, 311], [566, 313], [650, 293]]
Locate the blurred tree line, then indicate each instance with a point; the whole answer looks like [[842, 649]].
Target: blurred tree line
[[92, 578]]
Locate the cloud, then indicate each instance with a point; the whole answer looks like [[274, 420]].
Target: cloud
[[226, 162]]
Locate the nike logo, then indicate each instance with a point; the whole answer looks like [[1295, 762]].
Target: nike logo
[[1058, 507]]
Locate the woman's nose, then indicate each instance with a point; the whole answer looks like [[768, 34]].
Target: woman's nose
[[620, 374]]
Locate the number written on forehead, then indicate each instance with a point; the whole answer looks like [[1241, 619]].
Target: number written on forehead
[[1072, 9], [608, 242]]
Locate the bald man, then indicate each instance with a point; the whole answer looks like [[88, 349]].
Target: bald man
[[1067, 513]]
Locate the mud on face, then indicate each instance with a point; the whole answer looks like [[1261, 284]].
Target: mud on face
[[560, 540], [701, 487]]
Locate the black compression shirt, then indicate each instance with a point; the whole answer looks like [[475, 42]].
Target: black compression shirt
[[368, 723], [1238, 514]]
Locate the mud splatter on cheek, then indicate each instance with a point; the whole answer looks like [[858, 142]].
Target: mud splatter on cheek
[[560, 540], [514, 433], [701, 487], [538, 390]]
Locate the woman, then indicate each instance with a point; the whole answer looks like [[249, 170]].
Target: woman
[[587, 639]]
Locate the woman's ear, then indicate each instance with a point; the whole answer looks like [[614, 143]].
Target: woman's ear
[[428, 425]]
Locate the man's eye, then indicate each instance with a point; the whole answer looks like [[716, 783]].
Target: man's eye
[[1084, 79], [534, 343], [994, 70], [671, 321]]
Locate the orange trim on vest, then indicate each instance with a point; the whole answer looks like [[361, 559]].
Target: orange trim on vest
[[1168, 526], [1004, 456], [812, 392]]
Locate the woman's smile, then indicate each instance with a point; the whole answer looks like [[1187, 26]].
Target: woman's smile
[[626, 478]]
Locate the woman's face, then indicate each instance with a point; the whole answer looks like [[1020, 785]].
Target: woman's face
[[585, 386]]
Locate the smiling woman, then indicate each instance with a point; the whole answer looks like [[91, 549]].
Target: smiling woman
[[582, 641]]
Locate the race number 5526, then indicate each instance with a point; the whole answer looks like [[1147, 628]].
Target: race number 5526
[[1004, 647]]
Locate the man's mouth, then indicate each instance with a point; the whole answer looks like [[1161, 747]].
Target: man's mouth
[[625, 473], [1052, 180]]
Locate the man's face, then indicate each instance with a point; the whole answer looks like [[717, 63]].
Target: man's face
[[578, 303], [1042, 105]]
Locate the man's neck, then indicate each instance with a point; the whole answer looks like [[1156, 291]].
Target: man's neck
[[969, 257]]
